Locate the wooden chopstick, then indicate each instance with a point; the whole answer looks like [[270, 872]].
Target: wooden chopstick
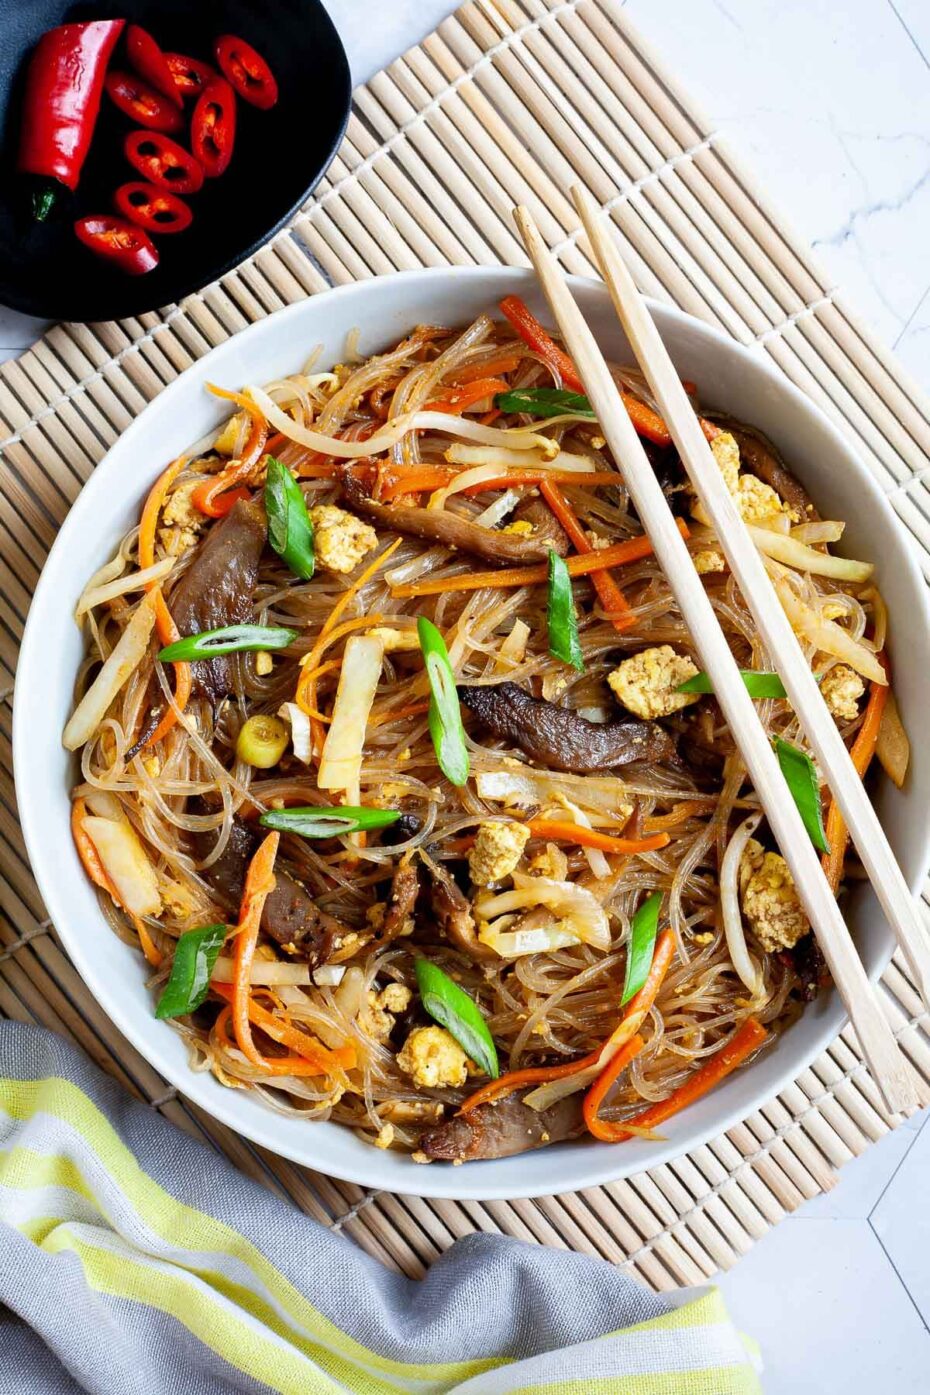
[[858, 812], [886, 1062]]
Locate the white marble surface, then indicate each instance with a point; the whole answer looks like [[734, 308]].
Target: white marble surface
[[829, 100]]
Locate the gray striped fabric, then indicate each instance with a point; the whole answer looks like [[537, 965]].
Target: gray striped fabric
[[136, 1261]]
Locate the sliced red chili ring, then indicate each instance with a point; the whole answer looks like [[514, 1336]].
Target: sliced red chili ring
[[163, 162], [247, 70], [129, 248], [213, 127], [152, 208], [142, 103], [190, 75], [146, 57]]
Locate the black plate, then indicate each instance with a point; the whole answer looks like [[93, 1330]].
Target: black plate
[[278, 158]]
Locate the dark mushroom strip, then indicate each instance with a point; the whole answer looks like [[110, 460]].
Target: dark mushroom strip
[[453, 912], [546, 527], [217, 589], [290, 917], [450, 530], [561, 739], [503, 1129], [405, 888]]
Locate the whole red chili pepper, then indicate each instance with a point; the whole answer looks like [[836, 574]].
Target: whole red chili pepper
[[163, 162], [64, 84], [213, 127], [152, 208], [150, 63], [246, 69], [126, 246], [141, 102], [190, 75]]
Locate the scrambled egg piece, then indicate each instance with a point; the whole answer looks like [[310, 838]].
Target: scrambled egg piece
[[546, 864], [842, 688], [376, 1015], [264, 663], [709, 560], [225, 442], [645, 683], [521, 528], [186, 523], [770, 900], [497, 851], [395, 998], [395, 641], [754, 498], [385, 1137], [432, 1058], [340, 539]]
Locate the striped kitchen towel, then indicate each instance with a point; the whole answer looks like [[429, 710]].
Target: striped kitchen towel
[[135, 1261]]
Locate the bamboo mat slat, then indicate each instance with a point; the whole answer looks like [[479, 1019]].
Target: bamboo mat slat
[[508, 100]]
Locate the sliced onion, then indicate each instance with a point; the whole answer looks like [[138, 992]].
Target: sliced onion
[[806, 559], [135, 581], [341, 761], [108, 572], [126, 657], [301, 737], [395, 431], [593, 856], [827, 635], [512, 944], [824, 531], [125, 862], [743, 962], [500, 459], [270, 972], [513, 649], [893, 748], [577, 909], [496, 513], [329, 975], [603, 794]]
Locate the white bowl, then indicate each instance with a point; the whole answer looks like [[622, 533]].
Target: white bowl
[[730, 377]]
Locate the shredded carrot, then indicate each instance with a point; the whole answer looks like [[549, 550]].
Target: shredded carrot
[[564, 831], [259, 881], [149, 948], [164, 624], [315, 1064], [420, 478], [861, 753], [90, 861], [493, 368], [206, 495], [715, 1068], [611, 597], [275, 442], [679, 812], [460, 399], [632, 1019], [312, 670], [490, 416], [90, 858], [633, 550], [320, 1059], [216, 504], [412, 709], [594, 1096]]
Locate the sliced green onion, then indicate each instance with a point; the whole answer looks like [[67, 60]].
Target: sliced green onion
[[562, 622], [544, 402], [801, 777], [290, 530], [194, 957], [232, 639], [457, 1011], [313, 822], [758, 684], [642, 945], [445, 714]]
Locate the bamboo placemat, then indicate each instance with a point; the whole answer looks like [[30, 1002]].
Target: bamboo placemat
[[509, 100]]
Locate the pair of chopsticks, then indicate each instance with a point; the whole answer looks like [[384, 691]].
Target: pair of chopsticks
[[886, 1062]]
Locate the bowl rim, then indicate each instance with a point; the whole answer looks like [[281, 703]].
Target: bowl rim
[[599, 1166]]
